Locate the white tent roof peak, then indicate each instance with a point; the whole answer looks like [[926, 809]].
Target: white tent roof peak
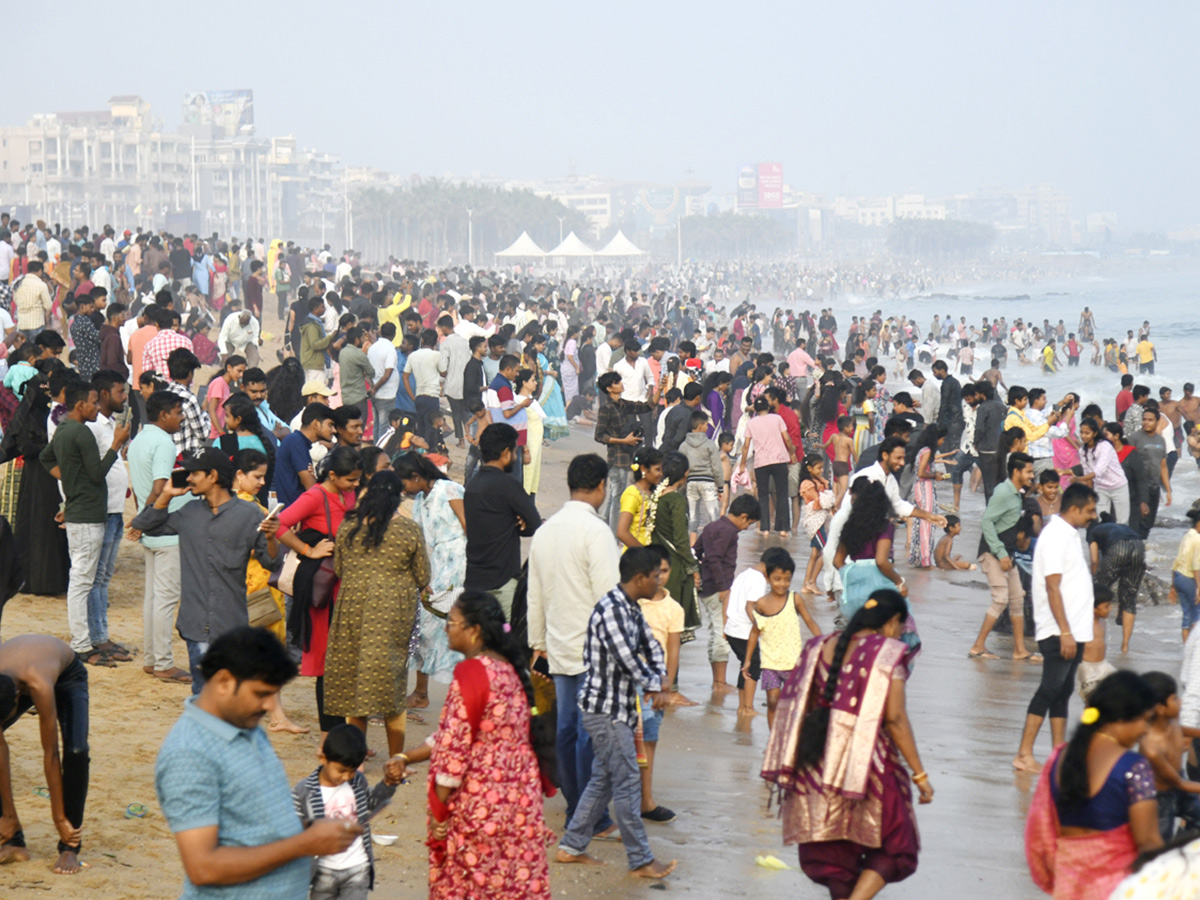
[[620, 246], [524, 246], [572, 246]]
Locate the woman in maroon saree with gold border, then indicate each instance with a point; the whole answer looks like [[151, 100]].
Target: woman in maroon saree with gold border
[[836, 755]]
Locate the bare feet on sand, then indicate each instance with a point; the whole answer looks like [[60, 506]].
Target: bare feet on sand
[[11, 854], [808, 588], [417, 700], [655, 870], [720, 687], [1026, 764], [563, 856], [286, 724], [747, 711], [68, 864], [677, 699]]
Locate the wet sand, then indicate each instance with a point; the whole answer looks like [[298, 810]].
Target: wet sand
[[966, 715]]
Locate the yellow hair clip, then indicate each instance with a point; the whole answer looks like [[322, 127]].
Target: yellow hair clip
[[1090, 716], [533, 711], [871, 604], [633, 467]]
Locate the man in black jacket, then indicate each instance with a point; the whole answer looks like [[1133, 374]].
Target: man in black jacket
[[989, 424], [679, 418], [950, 413]]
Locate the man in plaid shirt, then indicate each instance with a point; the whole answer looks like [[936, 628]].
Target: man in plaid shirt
[[163, 344], [618, 427], [623, 659], [193, 432]]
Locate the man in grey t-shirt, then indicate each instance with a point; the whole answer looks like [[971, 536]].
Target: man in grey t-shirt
[[1153, 449]]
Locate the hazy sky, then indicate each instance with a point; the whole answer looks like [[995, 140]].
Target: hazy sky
[[1097, 98]]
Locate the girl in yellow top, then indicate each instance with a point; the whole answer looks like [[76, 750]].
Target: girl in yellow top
[[250, 474], [636, 522], [776, 632], [1185, 573]]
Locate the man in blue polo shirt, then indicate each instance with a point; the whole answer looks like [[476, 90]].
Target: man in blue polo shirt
[[292, 477], [223, 790]]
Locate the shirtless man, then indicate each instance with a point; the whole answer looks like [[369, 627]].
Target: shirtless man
[[1189, 404], [1170, 408], [42, 672], [993, 375]]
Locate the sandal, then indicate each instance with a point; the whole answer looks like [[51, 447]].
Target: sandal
[[175, 676], [97, 658], [982, 654], [1028, 657]]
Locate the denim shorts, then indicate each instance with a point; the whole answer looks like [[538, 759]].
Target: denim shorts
[[651, 720]]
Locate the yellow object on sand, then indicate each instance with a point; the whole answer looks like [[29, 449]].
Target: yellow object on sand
[[770, 862]]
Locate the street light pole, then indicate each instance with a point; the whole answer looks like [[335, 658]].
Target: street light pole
[[561, 219], [470, 238]]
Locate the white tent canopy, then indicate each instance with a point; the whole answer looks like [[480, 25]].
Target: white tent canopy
[[523, 247], [572, 246], [620, 246]]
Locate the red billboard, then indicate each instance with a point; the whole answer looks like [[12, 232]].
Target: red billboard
[[770, 185]]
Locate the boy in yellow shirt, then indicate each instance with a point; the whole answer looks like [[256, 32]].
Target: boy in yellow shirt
[[665, 618]]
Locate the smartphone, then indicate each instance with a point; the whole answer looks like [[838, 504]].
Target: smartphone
[[275, 509], [179, 478], [542, 666]]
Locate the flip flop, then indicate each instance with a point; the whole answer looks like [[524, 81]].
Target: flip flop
[[985, 654], [176, 676], [1030, 657], [97, 658]]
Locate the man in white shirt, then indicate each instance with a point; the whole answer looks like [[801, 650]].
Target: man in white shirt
[[572, 564], [891, 461], [931, 394], [382, 354], [423, 365], [1042, 450], [111, 392], [452, 362], [1062, 615], [6, 255], [240, 335], [638, 383], [604, 353]]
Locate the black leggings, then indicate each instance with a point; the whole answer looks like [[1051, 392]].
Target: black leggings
[[327, 722], [763, 475], [1058, 680], [738, 646], [71, 701]]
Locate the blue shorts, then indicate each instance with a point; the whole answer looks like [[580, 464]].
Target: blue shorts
[[651, 720], [819, 539]]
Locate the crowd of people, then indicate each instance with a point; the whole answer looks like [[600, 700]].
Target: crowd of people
[[307, 518]]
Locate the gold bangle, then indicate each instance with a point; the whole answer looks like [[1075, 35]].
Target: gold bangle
[[917, 779]]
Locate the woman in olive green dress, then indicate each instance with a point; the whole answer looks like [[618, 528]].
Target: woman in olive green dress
[[671, 531], [381, 561]]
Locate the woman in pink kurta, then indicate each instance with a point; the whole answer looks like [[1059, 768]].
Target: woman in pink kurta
[[487, 834]]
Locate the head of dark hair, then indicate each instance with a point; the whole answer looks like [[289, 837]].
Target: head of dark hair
[[638, 561], [1016, 393], [814, 729], [951, 521], [869, 513], [416, 465], [745, 505], [778, 562], [1121, 697], [644, 457], [161, 402], [254, 375], [248, 459], [315, 412], [345, 745], [344, 415], [675, 467], [375, 508], [181, 363], [495, 439], [341, 461], [1077, 496], [1163, 685], [482, 610], [1016, 462], [586, 472], [78, 391], [249, 654]]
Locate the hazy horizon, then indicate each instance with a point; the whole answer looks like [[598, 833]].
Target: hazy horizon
[[931, 98]]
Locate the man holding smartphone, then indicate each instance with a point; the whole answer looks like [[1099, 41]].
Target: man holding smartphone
[[217, 537]]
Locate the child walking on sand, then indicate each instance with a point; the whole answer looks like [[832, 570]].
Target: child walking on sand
[[665, 618], [1094, 667], [943, 556], [775, 629], [817, 502], [840, 448], [1164, 744]]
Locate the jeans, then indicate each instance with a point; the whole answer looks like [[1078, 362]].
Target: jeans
[[159, 602], [962, 465], [1185, 589], [1153, 495], [574, 746], [615, 777], [1174, 805], [764, 475], [1058, 680], [989, 470], [71, 705], [97, 602], [702, 495], [718, 647], [458, 412], [618, 479], [196, 651], [84, 542], [425, 407], [341, 884], [472, 463]]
